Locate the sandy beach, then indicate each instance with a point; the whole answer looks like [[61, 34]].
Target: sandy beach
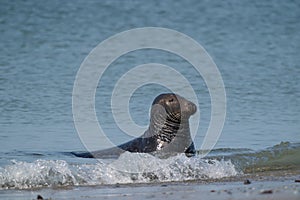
[[257, 187]]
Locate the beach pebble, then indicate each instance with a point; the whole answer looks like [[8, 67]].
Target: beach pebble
[[39, 197], [266, 192], [228, 192], [297, 181]]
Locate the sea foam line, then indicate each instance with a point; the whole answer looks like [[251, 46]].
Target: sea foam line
[[58, 173]]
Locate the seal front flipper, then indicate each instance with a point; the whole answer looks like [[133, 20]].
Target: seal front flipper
[[191, 151]]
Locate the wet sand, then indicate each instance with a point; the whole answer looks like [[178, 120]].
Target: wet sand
[[260, 187]]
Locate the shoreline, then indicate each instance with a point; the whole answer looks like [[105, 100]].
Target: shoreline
[[275, 185]]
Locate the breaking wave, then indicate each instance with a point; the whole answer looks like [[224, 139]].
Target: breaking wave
[[128, 168], [145, 168]]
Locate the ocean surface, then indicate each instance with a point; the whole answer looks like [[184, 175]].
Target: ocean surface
[[255, 45]]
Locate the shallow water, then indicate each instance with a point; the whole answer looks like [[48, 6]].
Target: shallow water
[[254, 44], [133, 168]]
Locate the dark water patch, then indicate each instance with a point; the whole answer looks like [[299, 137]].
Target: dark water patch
[[284, 156]]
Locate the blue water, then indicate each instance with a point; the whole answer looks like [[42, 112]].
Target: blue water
[[255, 45]]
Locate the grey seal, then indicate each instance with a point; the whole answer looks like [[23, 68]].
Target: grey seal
[[168, 132]]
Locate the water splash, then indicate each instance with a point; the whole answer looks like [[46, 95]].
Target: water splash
[[40, 173], [137, 168]]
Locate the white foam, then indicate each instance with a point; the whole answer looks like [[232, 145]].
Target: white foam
[[37, 174], [129, 168]]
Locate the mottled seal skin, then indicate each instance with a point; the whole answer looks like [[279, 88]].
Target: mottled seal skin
[[168, 132]]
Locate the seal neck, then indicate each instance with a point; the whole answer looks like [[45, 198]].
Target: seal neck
[[166, 127]]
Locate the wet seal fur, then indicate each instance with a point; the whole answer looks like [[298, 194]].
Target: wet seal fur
[[168, 132]]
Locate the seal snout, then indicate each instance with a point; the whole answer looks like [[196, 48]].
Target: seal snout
[[192, 107], [189, 107]]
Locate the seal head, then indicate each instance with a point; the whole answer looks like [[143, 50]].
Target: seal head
[[169, 123]]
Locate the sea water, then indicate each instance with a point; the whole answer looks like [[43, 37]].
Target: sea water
[[255, 45]]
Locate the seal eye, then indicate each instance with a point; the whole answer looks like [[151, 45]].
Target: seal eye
[[171, 100]]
